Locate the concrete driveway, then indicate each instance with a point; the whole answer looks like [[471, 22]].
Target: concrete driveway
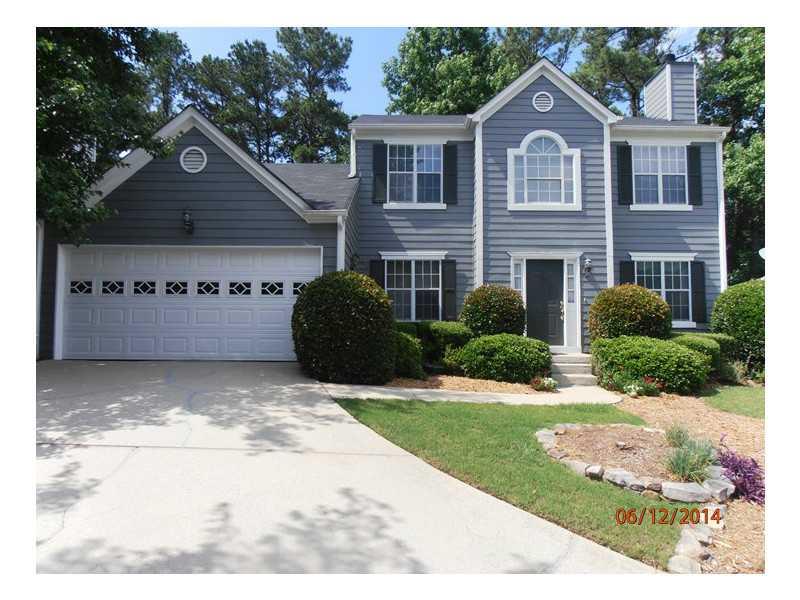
[[249, 467]]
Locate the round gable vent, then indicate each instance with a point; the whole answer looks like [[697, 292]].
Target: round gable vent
[[193, 159], [542, 101]]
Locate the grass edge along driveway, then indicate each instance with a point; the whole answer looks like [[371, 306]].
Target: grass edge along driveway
[[492, 447]]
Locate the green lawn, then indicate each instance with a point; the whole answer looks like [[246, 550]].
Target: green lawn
[[740, 399], [492, 447]]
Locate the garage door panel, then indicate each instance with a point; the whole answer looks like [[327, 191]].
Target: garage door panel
[[216, 317]]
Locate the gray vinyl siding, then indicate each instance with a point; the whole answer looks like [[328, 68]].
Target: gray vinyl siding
[[381, 230], [351, 236], [655, 96], [683, 92], [691, 231], [519, 231], [228, 205]]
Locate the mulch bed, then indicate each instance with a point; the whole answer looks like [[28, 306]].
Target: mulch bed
[[463, 384], [739, 548]]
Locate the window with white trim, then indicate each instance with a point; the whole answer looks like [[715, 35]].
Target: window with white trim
[[659, 175], [671, 280], [544, 173], [415, 173], [414, 287]]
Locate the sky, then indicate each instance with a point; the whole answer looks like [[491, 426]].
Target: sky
[[372, 46]]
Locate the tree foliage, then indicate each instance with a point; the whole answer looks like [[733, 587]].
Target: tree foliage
[[166, 71], [91, 108]]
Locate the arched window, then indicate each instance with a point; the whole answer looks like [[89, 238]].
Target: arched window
[[544, 174]]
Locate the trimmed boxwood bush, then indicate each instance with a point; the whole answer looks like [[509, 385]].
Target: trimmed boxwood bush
[[504, 357], [727, 345], [676, 367], [739, 312], [629, 310], [705, 345], [408, 356], [492, 309], [407, 327], [342, 327], [438, 336]]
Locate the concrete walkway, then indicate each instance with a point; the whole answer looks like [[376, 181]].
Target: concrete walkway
[[248, 467], [575, 394]]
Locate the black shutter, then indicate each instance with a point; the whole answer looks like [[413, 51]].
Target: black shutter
[[699, 292], [449, 290], [377, 270], [450, 173], [379, 173], [627, 273], [695, 176], [625, 175]]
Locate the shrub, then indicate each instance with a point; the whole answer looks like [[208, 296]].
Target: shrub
[[544, 384], [745, 473], [342, 329], [675, 367], [451, 362], [505, 357], [677, 436], [408, 356], [407, 327], [739, 312], [704, 345], [438, 336], [690, 461], [493, 309], [629, 310]]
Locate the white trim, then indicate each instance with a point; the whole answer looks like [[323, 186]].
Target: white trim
[[61, 282], [544, 68], [478, 208], [660, 179], [414, 173], [668, 78], [721, 225], [191, 149], [352, 155], [402, 133], [341, 230], [546, 254], [39, 260], [191, 118], [414, 205], [662, 207], [663, 256], [608, 207], [414, 255], [575, 153], [548, 95], [666, 134], [413, 289], [684, 324]]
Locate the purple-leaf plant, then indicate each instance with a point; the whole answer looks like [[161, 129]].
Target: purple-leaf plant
[[745, 473]]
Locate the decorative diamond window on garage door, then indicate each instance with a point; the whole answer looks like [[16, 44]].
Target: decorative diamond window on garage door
[[132, 302]]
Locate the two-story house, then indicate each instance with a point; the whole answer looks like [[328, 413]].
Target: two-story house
[[543, 189]]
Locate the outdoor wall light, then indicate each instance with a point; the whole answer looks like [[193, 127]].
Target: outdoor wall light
[[188, 222], [587, 266]]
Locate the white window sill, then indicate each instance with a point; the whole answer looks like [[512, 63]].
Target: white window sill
[[545, 207], [414, 206], [662, 207], [684, 325]]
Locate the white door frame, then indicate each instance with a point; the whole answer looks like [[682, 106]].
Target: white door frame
[[62, 259], [565, 257]]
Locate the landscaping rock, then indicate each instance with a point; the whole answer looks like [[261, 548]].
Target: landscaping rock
[[546, 438], [702, 533], [576, 466], [684, 492], [690, 547], [556, 453], [683, 565], [560, 429], [651, 483], [637, 485], [623, 445], [594, 471], [715, 472], [651, 494], [720, 489], [619, 477]]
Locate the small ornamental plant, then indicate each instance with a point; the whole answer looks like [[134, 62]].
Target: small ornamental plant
[[745, 473], [629, 310], [544, 384], [493, 309]]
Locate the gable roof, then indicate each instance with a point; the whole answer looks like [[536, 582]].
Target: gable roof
[[544, 68], [190, 118], [321, 186], [375, 120]]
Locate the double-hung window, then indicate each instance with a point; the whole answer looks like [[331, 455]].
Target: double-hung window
[[672, 281], [414, 287], [659, 175], [544, 174], [415, 173]]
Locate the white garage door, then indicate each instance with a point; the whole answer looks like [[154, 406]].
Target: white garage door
[[132, 302]]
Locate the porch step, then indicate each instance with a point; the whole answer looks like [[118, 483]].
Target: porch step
[[575, 358], [572, 368], [569, 379]]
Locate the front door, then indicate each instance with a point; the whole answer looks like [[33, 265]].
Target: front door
[[545, 300]]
